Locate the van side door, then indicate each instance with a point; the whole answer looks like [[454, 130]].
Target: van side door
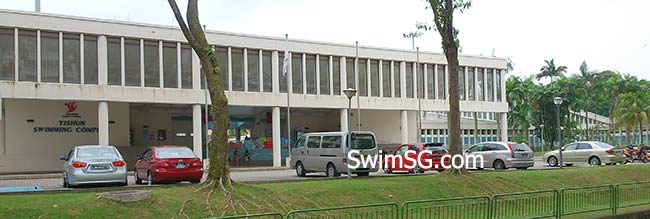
[[298, 151], [312, 152]]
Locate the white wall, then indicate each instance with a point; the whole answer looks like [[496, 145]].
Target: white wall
[[29, 150], [385, 124]]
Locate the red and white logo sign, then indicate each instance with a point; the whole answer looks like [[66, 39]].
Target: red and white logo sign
[[72, 106]]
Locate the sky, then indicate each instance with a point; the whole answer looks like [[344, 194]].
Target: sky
[[607, 34]]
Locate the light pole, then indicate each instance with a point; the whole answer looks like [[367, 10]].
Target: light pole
[[558, 102], [542, 128], [350, 92]]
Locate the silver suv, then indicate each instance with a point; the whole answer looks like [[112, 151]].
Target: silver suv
[[503, 155]]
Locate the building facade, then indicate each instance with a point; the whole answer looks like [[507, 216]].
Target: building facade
[[68, 81]]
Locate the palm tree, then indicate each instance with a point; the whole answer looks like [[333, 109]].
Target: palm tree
[[550, 70], [632, 110], [586, 79]]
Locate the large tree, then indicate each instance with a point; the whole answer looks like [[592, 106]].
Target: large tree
[[218, 172], [443, 18]]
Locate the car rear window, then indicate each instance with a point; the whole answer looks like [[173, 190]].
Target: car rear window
[[436, 149], [520, 147], [362, 141], [174, 153], [96, 152], [604, 145]]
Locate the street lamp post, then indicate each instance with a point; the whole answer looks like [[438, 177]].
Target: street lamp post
[[558, 102], [349, 93], [542, 128]]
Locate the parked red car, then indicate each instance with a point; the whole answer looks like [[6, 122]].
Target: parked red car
[[434, 158], [168, 164]]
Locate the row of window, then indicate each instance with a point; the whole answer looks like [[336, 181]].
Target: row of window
[[73, 58], [440, 135], [426, 132]]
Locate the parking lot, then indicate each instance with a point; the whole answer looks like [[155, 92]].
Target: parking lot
[[53, 181]]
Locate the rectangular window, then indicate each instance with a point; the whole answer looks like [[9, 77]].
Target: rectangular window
[[7, 54], [90, 59], [224, 65], [471, 83], [461, 83], [363, 77], [374, 78], [237, 69], [480, 85], [151, 64], [186, 66], [349, 73], [253, 70], [283, 76], [296, 73], [442, 89], [311, 73], [132, 62], [397, 77], [324, 68], [114, 61], [420, 80], [27, 55], [49, 56], [71, 59], [409, 80], [170, 65], [385, 77], [336, 70], [489, 85], [431, 77], [498, 81], [266, 69]]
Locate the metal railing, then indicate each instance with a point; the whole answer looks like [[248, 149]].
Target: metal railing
[[533, 204]]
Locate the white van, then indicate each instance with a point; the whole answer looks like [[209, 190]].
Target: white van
[[327, 152]]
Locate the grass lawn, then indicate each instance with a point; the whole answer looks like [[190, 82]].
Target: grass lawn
[[286, 196]]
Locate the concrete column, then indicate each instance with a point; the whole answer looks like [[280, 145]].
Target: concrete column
[[402, 80], [102, 123], [344, 120], [404, 127], [196, 71], [504, 126], [275, 72], [197, 129], [277, 156], [102, 60]]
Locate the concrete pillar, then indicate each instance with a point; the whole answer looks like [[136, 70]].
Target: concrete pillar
[[197, 138], [504, 126], [404, 126], [102, 60], [275, 73], [102, 123], [344, 120], [196, 71], [277, 156]]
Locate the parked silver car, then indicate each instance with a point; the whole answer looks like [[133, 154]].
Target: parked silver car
[[503, 155], [594, 153], [91, 164]]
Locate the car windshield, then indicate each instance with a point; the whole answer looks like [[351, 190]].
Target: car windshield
[[604, 145], [96, 152], [520, 147], [362, 141], [436, 149], [174, 153]]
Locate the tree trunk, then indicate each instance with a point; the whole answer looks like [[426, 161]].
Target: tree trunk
[[586, 125], [218, 172]]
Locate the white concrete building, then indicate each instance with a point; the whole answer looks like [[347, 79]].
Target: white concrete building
[[67, 81]]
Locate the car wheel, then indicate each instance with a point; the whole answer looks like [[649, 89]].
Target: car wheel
[[387, 169], [138, 181], [300, 169], [499, 165], [594, 161], [149, 178], [331, 170], [552, 161], [417, 169]]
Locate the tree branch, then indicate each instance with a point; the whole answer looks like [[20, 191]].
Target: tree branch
[[181, 23]]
